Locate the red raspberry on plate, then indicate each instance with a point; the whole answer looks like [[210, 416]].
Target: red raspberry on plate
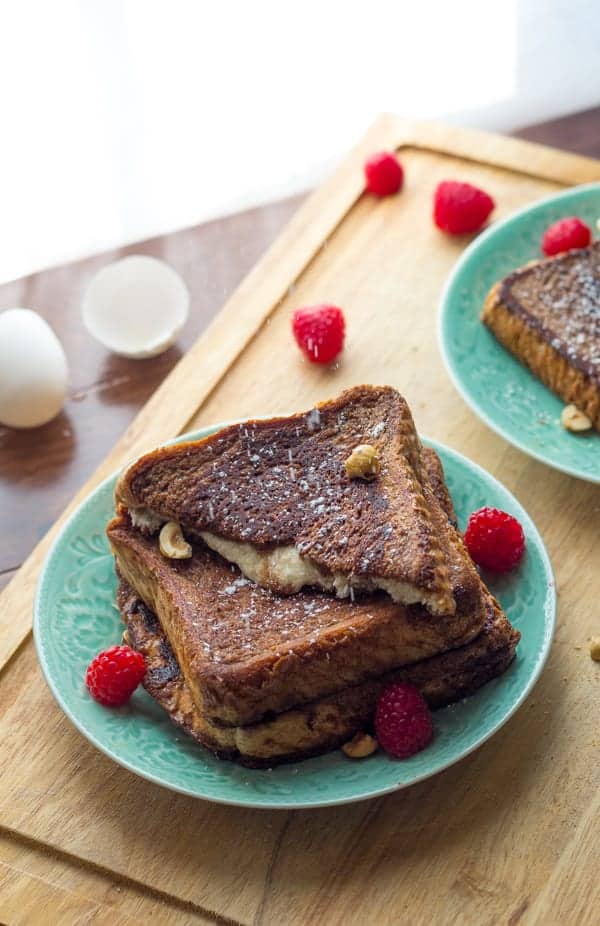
[[495, 539], [319, 331], [383, 174], [565, 235], [403, 723], [459, 208], [113, 675]]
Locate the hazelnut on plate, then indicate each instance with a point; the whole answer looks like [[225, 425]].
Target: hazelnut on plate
[[574, 420], [360, 746]]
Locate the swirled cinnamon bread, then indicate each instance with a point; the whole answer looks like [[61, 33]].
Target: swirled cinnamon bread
[[274, 497], [246, 651], [324, 724], [548, 315]]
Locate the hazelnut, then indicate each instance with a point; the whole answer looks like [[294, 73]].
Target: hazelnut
[[574, 420], [360, 746], [595, 649], [172, 543], [363, 463]]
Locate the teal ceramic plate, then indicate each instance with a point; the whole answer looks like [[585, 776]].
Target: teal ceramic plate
[[76, 616], [497, 387]]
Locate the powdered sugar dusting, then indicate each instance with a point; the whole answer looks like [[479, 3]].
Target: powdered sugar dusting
[[240, 582], [233, 618], [313, 420], [563, 297]]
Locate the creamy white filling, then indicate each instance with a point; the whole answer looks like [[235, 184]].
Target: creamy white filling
[[284, 570], [146, 520], [282, 567]]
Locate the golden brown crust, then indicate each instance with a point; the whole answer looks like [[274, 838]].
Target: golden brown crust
[[322, 725], [531, 345], [560, 297], [282, 482], [246, 651], [435, 474]]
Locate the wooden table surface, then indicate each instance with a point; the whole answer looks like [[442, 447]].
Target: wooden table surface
[[40, 470]]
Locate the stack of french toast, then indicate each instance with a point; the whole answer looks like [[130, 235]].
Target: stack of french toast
[[279, 574]]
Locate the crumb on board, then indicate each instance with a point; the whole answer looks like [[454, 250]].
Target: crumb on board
[[595, 649]]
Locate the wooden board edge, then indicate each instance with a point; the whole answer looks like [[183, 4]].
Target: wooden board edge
[[518, 155], [225, 339], [208, 360], [258, 295], [79, 902]]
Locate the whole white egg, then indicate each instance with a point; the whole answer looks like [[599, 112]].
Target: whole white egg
[[33, 370]]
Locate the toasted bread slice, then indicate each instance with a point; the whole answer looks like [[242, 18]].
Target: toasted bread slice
[[548, 315], [274, 497], [245, 651], [323, 724]]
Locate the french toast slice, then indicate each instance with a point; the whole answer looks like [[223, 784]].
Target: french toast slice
[[548, 315], [273, 497], [320, 725], [246, 651]]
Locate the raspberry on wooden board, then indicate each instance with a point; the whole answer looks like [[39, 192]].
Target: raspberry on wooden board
[[319, 332], [460, 208], [384, 175]]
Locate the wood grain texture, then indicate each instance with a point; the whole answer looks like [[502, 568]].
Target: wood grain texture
[[38, 888], [6, 576], [385, 265], [146, 834], [505, 836]]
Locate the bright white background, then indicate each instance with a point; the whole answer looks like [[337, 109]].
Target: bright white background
[[127, 118]]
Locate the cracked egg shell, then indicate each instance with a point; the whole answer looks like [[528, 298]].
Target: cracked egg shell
[[136, 306]]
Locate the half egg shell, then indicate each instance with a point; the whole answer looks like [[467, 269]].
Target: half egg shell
[[136, 306]]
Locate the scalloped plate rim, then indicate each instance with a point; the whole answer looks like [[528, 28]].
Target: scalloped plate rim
[[550, 607], [449, 362]]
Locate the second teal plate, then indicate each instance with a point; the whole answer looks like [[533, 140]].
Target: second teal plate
[[503, 392]]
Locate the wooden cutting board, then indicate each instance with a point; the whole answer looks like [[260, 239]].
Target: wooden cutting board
[[505, 836]]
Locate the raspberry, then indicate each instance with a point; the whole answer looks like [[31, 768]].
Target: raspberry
[[403, 723], [459, 208], [565, 235], [494, 539], [383, 173], [319, 331], [113, 675]]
